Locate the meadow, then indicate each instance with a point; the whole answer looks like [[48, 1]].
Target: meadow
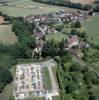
[[92, 28], [58, 37], [28, 7], [6, 35]]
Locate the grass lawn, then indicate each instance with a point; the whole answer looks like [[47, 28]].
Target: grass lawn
[[47, 79], [58, 37], [6, 35], [54, 69], [38, 98], [25, 61], [56, 98], [6, 92], [38, 8], [92, 28], [8, 0]]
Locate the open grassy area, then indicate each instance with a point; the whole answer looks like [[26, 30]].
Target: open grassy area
[[22, 8], [54, 69], [56, 98], [38, 98], [92, 28], [6, 92], [6, 35], [58, 37], [7, 0], [47, 79]]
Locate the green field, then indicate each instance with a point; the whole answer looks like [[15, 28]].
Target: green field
[[58, 37], [6, 35], [22, 8], [33, 98], [8, 0], [92, 28], [47, 79], [54, 69], [56, 98]]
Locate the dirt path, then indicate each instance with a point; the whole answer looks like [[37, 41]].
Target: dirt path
[[53, 81], [1, 19]]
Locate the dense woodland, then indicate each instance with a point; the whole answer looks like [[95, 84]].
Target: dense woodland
[[75, 81], [23, 49]]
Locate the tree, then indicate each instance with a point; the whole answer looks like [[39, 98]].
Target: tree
[[5, 77], [74, 32], [77, 24], [59, 27], [92, 97], [76, 77], [23, 31], [82, 35], [91, 77], [50, 48], [66, 58], [71, 87], [96, 9], [75, 67]]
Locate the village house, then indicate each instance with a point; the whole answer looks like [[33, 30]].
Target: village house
[[38, 35], [71, 41], [83, 45], [58, 17], [43, 27], [29, 18], [75, 41], [39, 43]]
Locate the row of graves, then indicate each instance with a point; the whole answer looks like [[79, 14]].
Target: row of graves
[[29, 81]]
